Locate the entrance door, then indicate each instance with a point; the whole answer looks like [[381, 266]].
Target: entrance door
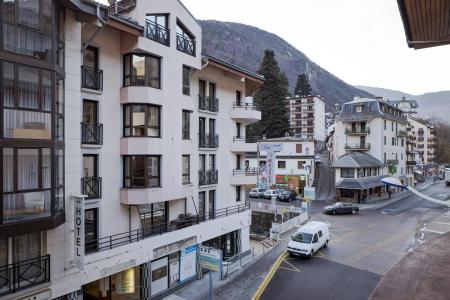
[[90, 112], [160, 275]]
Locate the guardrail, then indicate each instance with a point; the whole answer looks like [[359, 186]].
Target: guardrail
[[247, 106], [245, 172]]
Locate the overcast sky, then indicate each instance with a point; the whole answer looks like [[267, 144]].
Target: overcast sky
[[360, 41]]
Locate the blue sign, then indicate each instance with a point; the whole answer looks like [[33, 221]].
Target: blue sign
[[211, 259], [188, 263]]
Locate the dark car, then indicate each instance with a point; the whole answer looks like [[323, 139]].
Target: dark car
[[288, 196], [341, 208]]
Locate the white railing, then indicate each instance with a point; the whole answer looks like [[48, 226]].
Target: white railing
[[269, 208], [279, 228]]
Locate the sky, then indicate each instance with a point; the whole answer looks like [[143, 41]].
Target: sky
[[360, 41]]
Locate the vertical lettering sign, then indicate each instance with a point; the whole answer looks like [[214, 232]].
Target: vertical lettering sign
[[79, 232]]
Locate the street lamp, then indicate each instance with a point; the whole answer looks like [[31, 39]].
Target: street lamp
[[396, 183]]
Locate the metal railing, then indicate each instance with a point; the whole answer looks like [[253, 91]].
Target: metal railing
[[24, 274], [91, 78], [208, 103], [208, 141], [246, 106], [360, 146], [245, 172], [401, 133], [91, 134], [91, 187], [357, 130], [246, 139], [392, 162], [157, 32], [185, 45], [133, 236], [207, 177]]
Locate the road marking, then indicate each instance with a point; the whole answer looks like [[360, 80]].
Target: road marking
[[432, 231], [269, 276], [292, 267], [442, 223], [319, 254]]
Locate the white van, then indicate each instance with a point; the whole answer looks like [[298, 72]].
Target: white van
[[309, 239]]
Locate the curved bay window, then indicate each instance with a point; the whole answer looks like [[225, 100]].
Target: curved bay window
[[142, 70], [142, 171], [142, 120]]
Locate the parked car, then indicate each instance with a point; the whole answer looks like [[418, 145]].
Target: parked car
[[317, 160], [256, 193], [309, 239], [288, 196], [268, 194], [341, 208]]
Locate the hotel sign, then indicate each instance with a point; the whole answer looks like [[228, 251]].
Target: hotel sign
[[79, 231]]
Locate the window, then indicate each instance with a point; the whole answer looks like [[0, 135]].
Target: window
[[186, 81], [91, 230], [392, 126], [142, 70], [281, 164], [393, 141], [154, 217], [186, 169], [157, 28], [385, 157], [298, 148], [347, 173], [238, 193], [402, 142], [385, 124], [142, 171], [185, 40], [142, 120], [301, 164], [385, 138], [238, 98], [186, 126], [320, 233]]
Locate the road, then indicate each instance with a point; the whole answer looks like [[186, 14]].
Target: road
[[362, 249], [325, 186]]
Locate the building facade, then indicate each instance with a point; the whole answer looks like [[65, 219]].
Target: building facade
[[424, 137], [307, 117], [117, 154]]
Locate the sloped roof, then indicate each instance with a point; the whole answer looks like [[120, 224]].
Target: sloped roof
[[361, 183], [357, 160]]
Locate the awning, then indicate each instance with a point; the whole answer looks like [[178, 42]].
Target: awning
[[360, 184]]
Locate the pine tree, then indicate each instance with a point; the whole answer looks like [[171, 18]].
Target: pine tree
[[271, 98], [302, 86]]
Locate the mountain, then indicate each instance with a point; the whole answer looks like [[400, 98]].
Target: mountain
[[244, 46], [431, 105]]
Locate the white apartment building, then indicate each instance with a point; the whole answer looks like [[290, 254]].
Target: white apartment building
[[294, 165], [307, 117], [377, 129], [424, 137], [118, 106]]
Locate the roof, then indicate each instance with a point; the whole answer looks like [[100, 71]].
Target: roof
[[234, 67], [357, 160], [426, 23], [361, 183]]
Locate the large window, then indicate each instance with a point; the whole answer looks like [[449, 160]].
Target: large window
[[157, 29], [186, 126], [347, 173], [185, 40], [142, 70], [142, 120], [142, 171], [186, 169]]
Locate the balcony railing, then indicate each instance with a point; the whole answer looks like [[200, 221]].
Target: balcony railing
[[392, 162], [157, 33], [411, 162], [357, 130], [117, 240], [25, 274], [245, 172], [246, 106], [91, 134], [208, 103], [401, 133], [208, 177], [91, 78], [185, 45], [208, 141], [361, 146], [91, 187], [246, 139]]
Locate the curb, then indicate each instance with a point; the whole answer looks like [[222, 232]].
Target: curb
[[269, 276]]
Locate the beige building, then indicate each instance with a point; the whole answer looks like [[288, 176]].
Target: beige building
[[307, 117], [424, 140]]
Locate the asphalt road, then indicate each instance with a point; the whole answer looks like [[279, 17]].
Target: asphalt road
[[325, 185], [362, 249]]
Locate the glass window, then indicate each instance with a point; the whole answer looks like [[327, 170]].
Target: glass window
[[142, 171], [298, 148], [8, 84], [142, 70], [186, 125], [46, 90], [26, 247], [8, 170], [142, 120], [153, 171], [28, 87], [28, 13], [186, 81], [27, 169], [186, 169], [238, 193], [9, 11], [46, 16], [281, 164], [347, 173], [91, 230]]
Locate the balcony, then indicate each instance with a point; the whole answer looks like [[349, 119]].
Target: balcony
[[185, 45], [244, 144], [91, 134], [91, 79], [208, 141], [25, 274], [246, 176], [411, 163], [91, 187], [357, 131], [401, 133], [178, 224], [210, 104], [393, 162], [157, 33], [208, 177], [245, 113], [357, 147]]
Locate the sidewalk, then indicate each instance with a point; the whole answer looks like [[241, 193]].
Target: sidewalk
[[395, 198], [240, 285]]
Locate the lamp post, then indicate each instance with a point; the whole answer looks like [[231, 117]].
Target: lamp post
[[396, 183]]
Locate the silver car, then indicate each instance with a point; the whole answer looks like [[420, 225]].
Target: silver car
[[256, 193]]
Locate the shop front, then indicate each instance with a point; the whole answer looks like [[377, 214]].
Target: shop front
[[229, 243], [292, 182]]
